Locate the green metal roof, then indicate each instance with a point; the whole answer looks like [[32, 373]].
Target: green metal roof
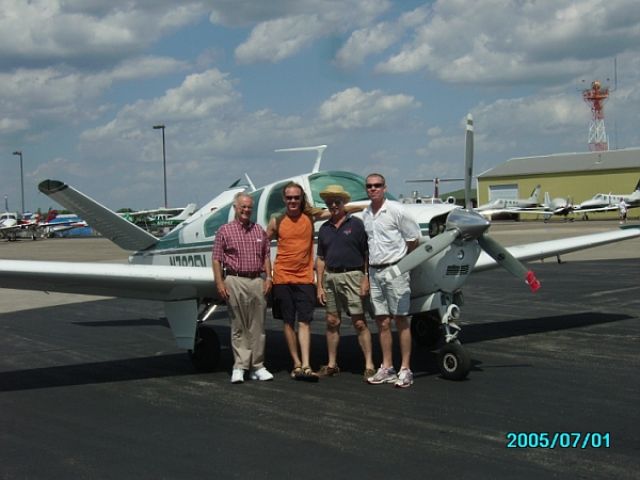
[[567, 162]]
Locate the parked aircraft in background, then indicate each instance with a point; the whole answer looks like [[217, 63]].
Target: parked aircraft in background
[[176, 269], [507, 205], [436, 183], [603, 202], [550, 207], [62, 224], [13, 226]]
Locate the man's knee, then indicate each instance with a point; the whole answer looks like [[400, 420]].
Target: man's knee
[[333, 322], [359, 323]]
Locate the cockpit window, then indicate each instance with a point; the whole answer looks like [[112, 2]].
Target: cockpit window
[[216, 220], [352, 183], [275, 202], [256, 198]]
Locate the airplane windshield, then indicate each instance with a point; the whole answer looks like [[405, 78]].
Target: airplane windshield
[[215, 221], [352, 183]]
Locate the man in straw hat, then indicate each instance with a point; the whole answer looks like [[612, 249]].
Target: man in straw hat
[[342, 276]]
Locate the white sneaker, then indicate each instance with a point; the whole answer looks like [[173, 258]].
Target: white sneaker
[[261, 374], [405, 379], [237, 375]]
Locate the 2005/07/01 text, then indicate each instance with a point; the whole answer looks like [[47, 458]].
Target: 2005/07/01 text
[[553, 440]]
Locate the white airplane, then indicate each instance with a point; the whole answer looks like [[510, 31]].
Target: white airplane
[[176, 269], [63, 223], [510, 205], [13, 226], [550, 207], [602, 202]]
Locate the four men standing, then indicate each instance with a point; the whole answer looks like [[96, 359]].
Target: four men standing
[[352, 257]]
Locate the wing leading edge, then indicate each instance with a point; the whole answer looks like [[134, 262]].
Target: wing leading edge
[[118, 280], [551, 248]]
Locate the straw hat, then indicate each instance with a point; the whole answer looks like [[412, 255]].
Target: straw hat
[[333, 191]]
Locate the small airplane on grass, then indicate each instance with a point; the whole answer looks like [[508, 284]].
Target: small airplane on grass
[[176, 269]]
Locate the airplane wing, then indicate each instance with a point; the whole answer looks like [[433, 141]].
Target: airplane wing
[[147, 282], [109, 224], [153, 282], [551, 248]]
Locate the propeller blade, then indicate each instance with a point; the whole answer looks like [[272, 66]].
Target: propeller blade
[[508, 261], [422, 253]]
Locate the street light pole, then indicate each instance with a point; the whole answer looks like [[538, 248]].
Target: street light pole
[[19, 153], [164, 162]]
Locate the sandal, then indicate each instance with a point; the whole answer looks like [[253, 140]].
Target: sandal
[[307, 375], [327, 371], [296, 372]]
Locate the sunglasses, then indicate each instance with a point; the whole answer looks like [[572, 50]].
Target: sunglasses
[[374, 185], [292, 197], [333, 201]]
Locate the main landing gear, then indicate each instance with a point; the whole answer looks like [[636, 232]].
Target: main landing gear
[[437, 330], [206, 349]]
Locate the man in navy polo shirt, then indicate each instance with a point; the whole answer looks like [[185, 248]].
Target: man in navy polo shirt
[[342, 276]]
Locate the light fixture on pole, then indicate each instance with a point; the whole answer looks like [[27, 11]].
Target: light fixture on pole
[[164, 162], [19, 153]]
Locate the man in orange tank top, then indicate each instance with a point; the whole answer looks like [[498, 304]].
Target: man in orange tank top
[[293, 278]]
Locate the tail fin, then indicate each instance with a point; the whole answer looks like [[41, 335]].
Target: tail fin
[[186, 213], [51, 214], [535, 194], [637, 186], [108, 223]]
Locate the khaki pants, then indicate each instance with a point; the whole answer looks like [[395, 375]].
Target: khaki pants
[[247, 310]]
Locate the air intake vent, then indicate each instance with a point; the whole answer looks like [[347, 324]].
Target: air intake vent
[[457, 270]]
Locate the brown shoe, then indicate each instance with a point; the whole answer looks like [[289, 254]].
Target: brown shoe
[[327, 371], [307, 375], [368, 373]]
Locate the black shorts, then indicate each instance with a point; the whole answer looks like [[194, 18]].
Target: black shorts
[[291, 302]]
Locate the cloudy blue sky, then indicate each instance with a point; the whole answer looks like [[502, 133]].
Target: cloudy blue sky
[[385, 84]]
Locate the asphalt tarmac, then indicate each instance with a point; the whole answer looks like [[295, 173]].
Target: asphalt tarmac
[[95, 388]]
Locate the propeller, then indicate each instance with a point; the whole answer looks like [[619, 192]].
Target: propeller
[[465, 225]]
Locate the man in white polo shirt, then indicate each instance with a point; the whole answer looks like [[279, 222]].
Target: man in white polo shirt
[[391, 235]]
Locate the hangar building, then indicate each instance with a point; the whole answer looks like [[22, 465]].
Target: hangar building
[[578, 176]]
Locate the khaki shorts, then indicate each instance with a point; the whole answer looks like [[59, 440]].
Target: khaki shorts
[[343, 292], [389, 298]]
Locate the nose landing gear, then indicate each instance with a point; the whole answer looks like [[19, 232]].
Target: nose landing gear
[[438, 328]]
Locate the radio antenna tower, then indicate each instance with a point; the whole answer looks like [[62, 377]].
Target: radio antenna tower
[[595, 97]]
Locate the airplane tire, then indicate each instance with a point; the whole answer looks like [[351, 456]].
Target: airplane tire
[[453, 361], [426, 329], [206, 351]]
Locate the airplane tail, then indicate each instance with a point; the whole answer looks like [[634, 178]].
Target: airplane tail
[[547, 199], [51, 214], [106, 222], [535, 194], [186, 213], [637, 189]]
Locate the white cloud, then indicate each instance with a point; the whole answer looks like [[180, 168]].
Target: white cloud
[[508, 41], [286, 33], [45, 32], [353, 108]]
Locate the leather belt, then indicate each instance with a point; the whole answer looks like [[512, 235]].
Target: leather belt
[[382, 266], [233, 273], [344, 270]]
